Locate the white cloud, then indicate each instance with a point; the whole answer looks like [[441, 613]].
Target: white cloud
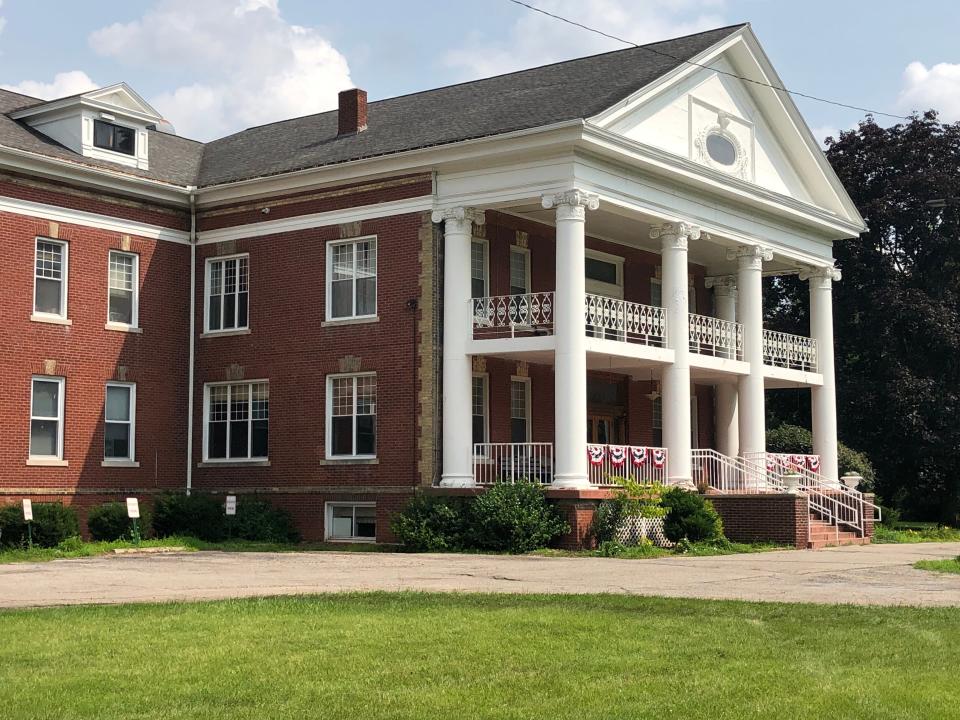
[[937, 87], [251, 65], [63, 84], [535, 39]]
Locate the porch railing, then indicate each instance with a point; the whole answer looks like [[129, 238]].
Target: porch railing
[[643, 464], [501, 316], [713, 471], [614, 319], [794, 352], [716, 337], [510, 462]]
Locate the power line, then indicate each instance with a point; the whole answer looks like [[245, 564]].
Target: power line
[[706, 67]]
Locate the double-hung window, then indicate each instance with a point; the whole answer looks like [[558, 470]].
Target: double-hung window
[[479, 278], [520, 410], [228, 293], [122, 284], [119, 418], [352, 416], [352, 279], [480, 404], [237, 420], [50, 278], [46, 418], [519, 271]]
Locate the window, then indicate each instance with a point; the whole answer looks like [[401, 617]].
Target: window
[[228, 293], [657, 421], [122, 288], [237, 417], [351, 521], [520, 410], [601, 271], [117, 138], [519, 271], [721, 149], [50, 278], [46, 418], [656, 295], [478, 269], [352, 416], [480, 405], [352, 279], [119, 418]]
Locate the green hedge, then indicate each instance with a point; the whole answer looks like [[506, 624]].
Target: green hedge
[[109, 522], [52, 524], [690, 517], [203, 517]]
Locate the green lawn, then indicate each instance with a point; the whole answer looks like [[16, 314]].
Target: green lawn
[[944, 566], [412, 655], [918, 533]]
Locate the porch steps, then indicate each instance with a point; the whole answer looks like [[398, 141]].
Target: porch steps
[[823, 535]]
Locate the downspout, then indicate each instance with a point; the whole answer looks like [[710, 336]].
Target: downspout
[[193, 321]]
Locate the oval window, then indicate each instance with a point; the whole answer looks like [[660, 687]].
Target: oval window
[[720, 149]]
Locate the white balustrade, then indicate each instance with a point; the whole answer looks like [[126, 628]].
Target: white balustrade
[[614, 319], [512, 462], [716, 337], [511, 315], [634, 462], [713, 471], [794, 352]]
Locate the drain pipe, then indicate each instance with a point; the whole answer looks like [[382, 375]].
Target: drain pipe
[[193, 321]]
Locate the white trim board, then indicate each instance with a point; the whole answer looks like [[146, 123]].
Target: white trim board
[[314, 220], [94, 220]]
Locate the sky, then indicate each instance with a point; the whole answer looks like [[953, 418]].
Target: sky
[[213, 67]]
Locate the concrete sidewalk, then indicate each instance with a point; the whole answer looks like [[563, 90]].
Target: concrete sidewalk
[[871, 575]]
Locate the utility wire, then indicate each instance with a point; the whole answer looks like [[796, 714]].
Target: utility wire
[[707, 67]]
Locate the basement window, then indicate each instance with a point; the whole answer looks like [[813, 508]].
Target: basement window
[[116, 138], [355, 522]]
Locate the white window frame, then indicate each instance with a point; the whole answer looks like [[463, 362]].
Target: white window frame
[[61, 404], [597, 287], [64, 278], [207, 273], [328, 422], [486, 405], [132, 455], [484, 243], [328, 282], [205, 419], [529, 405], [328, 522], [691, 294], [135, 301], [525, 252], [136, 138]]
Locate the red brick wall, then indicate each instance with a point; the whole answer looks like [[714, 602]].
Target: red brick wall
[[764, 518]]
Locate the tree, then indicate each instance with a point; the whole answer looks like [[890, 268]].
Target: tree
[[896, 312]]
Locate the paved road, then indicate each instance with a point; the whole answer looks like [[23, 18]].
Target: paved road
[[872, 575]]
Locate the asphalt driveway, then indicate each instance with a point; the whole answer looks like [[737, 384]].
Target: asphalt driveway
[[870, 575]]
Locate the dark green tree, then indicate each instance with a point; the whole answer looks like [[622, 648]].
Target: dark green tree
[[896, 312]]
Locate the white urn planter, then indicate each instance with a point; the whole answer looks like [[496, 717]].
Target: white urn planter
[[791, 483], [851, 480]]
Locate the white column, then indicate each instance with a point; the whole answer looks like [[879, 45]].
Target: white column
[[570, 357], [824, 397], [727, 428], [457, 330], [676, 377], [751, 408]]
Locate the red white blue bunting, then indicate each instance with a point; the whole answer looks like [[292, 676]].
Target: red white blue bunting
[[638, 455], [595, 454], [659, 456], [618, 455]]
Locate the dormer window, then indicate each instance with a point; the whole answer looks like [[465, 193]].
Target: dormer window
[[117, 138]]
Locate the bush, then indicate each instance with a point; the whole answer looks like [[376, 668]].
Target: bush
[[198, 516], [794, 439], [690, 516], [258, 520], [514, 517], [52, 524], [432, 523], [109, 522]]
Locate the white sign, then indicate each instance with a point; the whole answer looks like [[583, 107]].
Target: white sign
[[27, 510], [231, 505], [133, 508]]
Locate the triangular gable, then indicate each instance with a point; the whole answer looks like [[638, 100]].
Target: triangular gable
[[747, 130], [122, 96]]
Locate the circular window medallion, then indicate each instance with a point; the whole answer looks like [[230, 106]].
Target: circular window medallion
[[720, 149]]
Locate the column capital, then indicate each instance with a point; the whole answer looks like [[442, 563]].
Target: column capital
[[723, 285], [674, 235], [820, 277], [459, 218], [571, 204], [750, 257]]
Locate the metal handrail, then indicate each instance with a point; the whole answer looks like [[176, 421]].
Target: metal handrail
[[724, 474], [510, 462]]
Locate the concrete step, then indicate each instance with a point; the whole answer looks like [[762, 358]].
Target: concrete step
[[823, 534], [818, 544]]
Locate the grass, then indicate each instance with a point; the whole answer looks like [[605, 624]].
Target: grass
[[643, 552], [409, 655], [943, 566], [918, 534]]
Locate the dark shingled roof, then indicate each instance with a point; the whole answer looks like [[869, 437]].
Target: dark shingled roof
[[564, 91]]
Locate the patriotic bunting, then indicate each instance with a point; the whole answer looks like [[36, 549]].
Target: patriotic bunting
[[595, 454], [638, 455], [618, 455], [659, 457]]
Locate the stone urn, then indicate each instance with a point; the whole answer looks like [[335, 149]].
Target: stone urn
[[851, 480], [791, 483]]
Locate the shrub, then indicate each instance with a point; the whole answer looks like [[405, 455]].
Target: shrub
[[258, 520], [52, 524], [199, 516], [514, 517], [110, 522], [794, 439], [690, 516], [432, 523]]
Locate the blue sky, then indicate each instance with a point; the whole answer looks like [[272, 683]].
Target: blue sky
[[216, 66]]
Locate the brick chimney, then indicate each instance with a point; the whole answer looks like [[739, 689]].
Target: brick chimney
[[352, 113]]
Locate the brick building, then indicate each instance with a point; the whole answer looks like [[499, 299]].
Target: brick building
[[553, 274]]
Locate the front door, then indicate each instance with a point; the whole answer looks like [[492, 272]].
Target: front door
[[602, 430]]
